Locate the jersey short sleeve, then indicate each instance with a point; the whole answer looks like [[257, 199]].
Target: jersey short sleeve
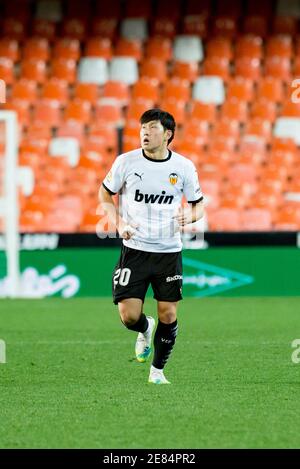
[[114, 180], [191, 188]]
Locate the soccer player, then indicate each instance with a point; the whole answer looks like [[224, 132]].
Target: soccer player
[[151, 182]]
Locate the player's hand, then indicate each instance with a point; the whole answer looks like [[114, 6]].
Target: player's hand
[[126, 231], [184, 216]]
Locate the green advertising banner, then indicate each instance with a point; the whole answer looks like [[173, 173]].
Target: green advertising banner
[[244, 271]]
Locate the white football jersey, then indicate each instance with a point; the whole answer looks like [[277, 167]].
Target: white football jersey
[[151, 193]]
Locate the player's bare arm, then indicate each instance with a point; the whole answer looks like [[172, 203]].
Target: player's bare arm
[[125, 231], [190, 213]]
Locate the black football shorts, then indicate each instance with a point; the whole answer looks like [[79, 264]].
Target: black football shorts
[[136, 270]]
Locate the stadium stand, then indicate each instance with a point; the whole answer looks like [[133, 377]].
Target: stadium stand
[[79, 74]]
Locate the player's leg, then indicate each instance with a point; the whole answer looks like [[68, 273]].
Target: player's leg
[[167, 287], [134, 319], [164, 340], [130, 284]]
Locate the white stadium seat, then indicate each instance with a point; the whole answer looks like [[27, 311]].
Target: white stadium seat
[[65, 146], [288, 127], [124, 69], [209, 89], [188, 48], [50, 10], [93, 70], [134, 28]]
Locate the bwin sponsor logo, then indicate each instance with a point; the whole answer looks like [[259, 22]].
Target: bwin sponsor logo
[[152, 198]]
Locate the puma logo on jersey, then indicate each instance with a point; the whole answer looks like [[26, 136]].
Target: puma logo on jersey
[[139, 175], [152, 198]]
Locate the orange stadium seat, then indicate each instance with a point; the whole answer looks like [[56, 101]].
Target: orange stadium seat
[[284, 144], [226, 128], [185, 70], [64, 69], [33, 69], [105, 27], [284, 25], [109, 113], [87, 92], [74, 28], [217, 66], [9, 49], [255, 24], [235, 109], [154, 68], [38, 129], [7, 70], [243, 173], [99, 47], [259, 127], [48, 111], [24, 89], [250, 46], [195, 25], [165, 27], [117, 90], [22, 109], [78, 110], [137, 107], [14, 28], [290, 109], [55, 88], [176, 108], [72, 128], [177, 89], [36, 48], [129, 48], [278, 67], [159, 48], [270, 88], [220, 47], [225, 219], [240, 88], [66, 48], [202, 111], [264, 109], [280, 46], [256, 219], [43, 28], [146, 88], [248, 67], [225, 26]]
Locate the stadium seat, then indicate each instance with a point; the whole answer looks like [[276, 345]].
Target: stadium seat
[[290, 109], [105, 27], [196, 25], [109, 110], [87, 92], [284, 25], [63, 69], [35, 70], [14, 28], [216, 66], [72, 128], [263, 109], [92, 70], [219, 47], [36, 48], [154, 68], [66, 48], [224, 26], [117, 90], [78, 110], [134, 28], [99, 47], [280, 46], [22, 109], [278, 67], [256, 25], [249, 46], [242, 173], [176, 108], [256, 219], [137, 107], [248, 67], [235, 109], [259, 127], [185, 71], [226, 128], [287, 127], [270, 88], [49, 10], [25, 89], [124, 69], [39, 129], [203, 111], [7, 70], [177, 89], [74, 28], [209, 90], [188, 48], [225, 219], [240, 88], [159, 48], [9, 49], [56, 89], [164, 27], [48, 111], [43, 28], [146, 88], [129, 48]]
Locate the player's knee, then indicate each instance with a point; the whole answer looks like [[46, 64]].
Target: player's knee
[[167, 316], [127, 318]]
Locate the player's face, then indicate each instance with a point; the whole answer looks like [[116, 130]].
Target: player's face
[[153, 136]]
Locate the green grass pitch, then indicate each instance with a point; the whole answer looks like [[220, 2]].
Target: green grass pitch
[[70, 380]]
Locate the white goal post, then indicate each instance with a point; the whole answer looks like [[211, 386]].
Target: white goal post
[[9, 205]]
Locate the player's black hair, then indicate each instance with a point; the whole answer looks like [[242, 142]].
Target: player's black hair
[[166, 119]]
